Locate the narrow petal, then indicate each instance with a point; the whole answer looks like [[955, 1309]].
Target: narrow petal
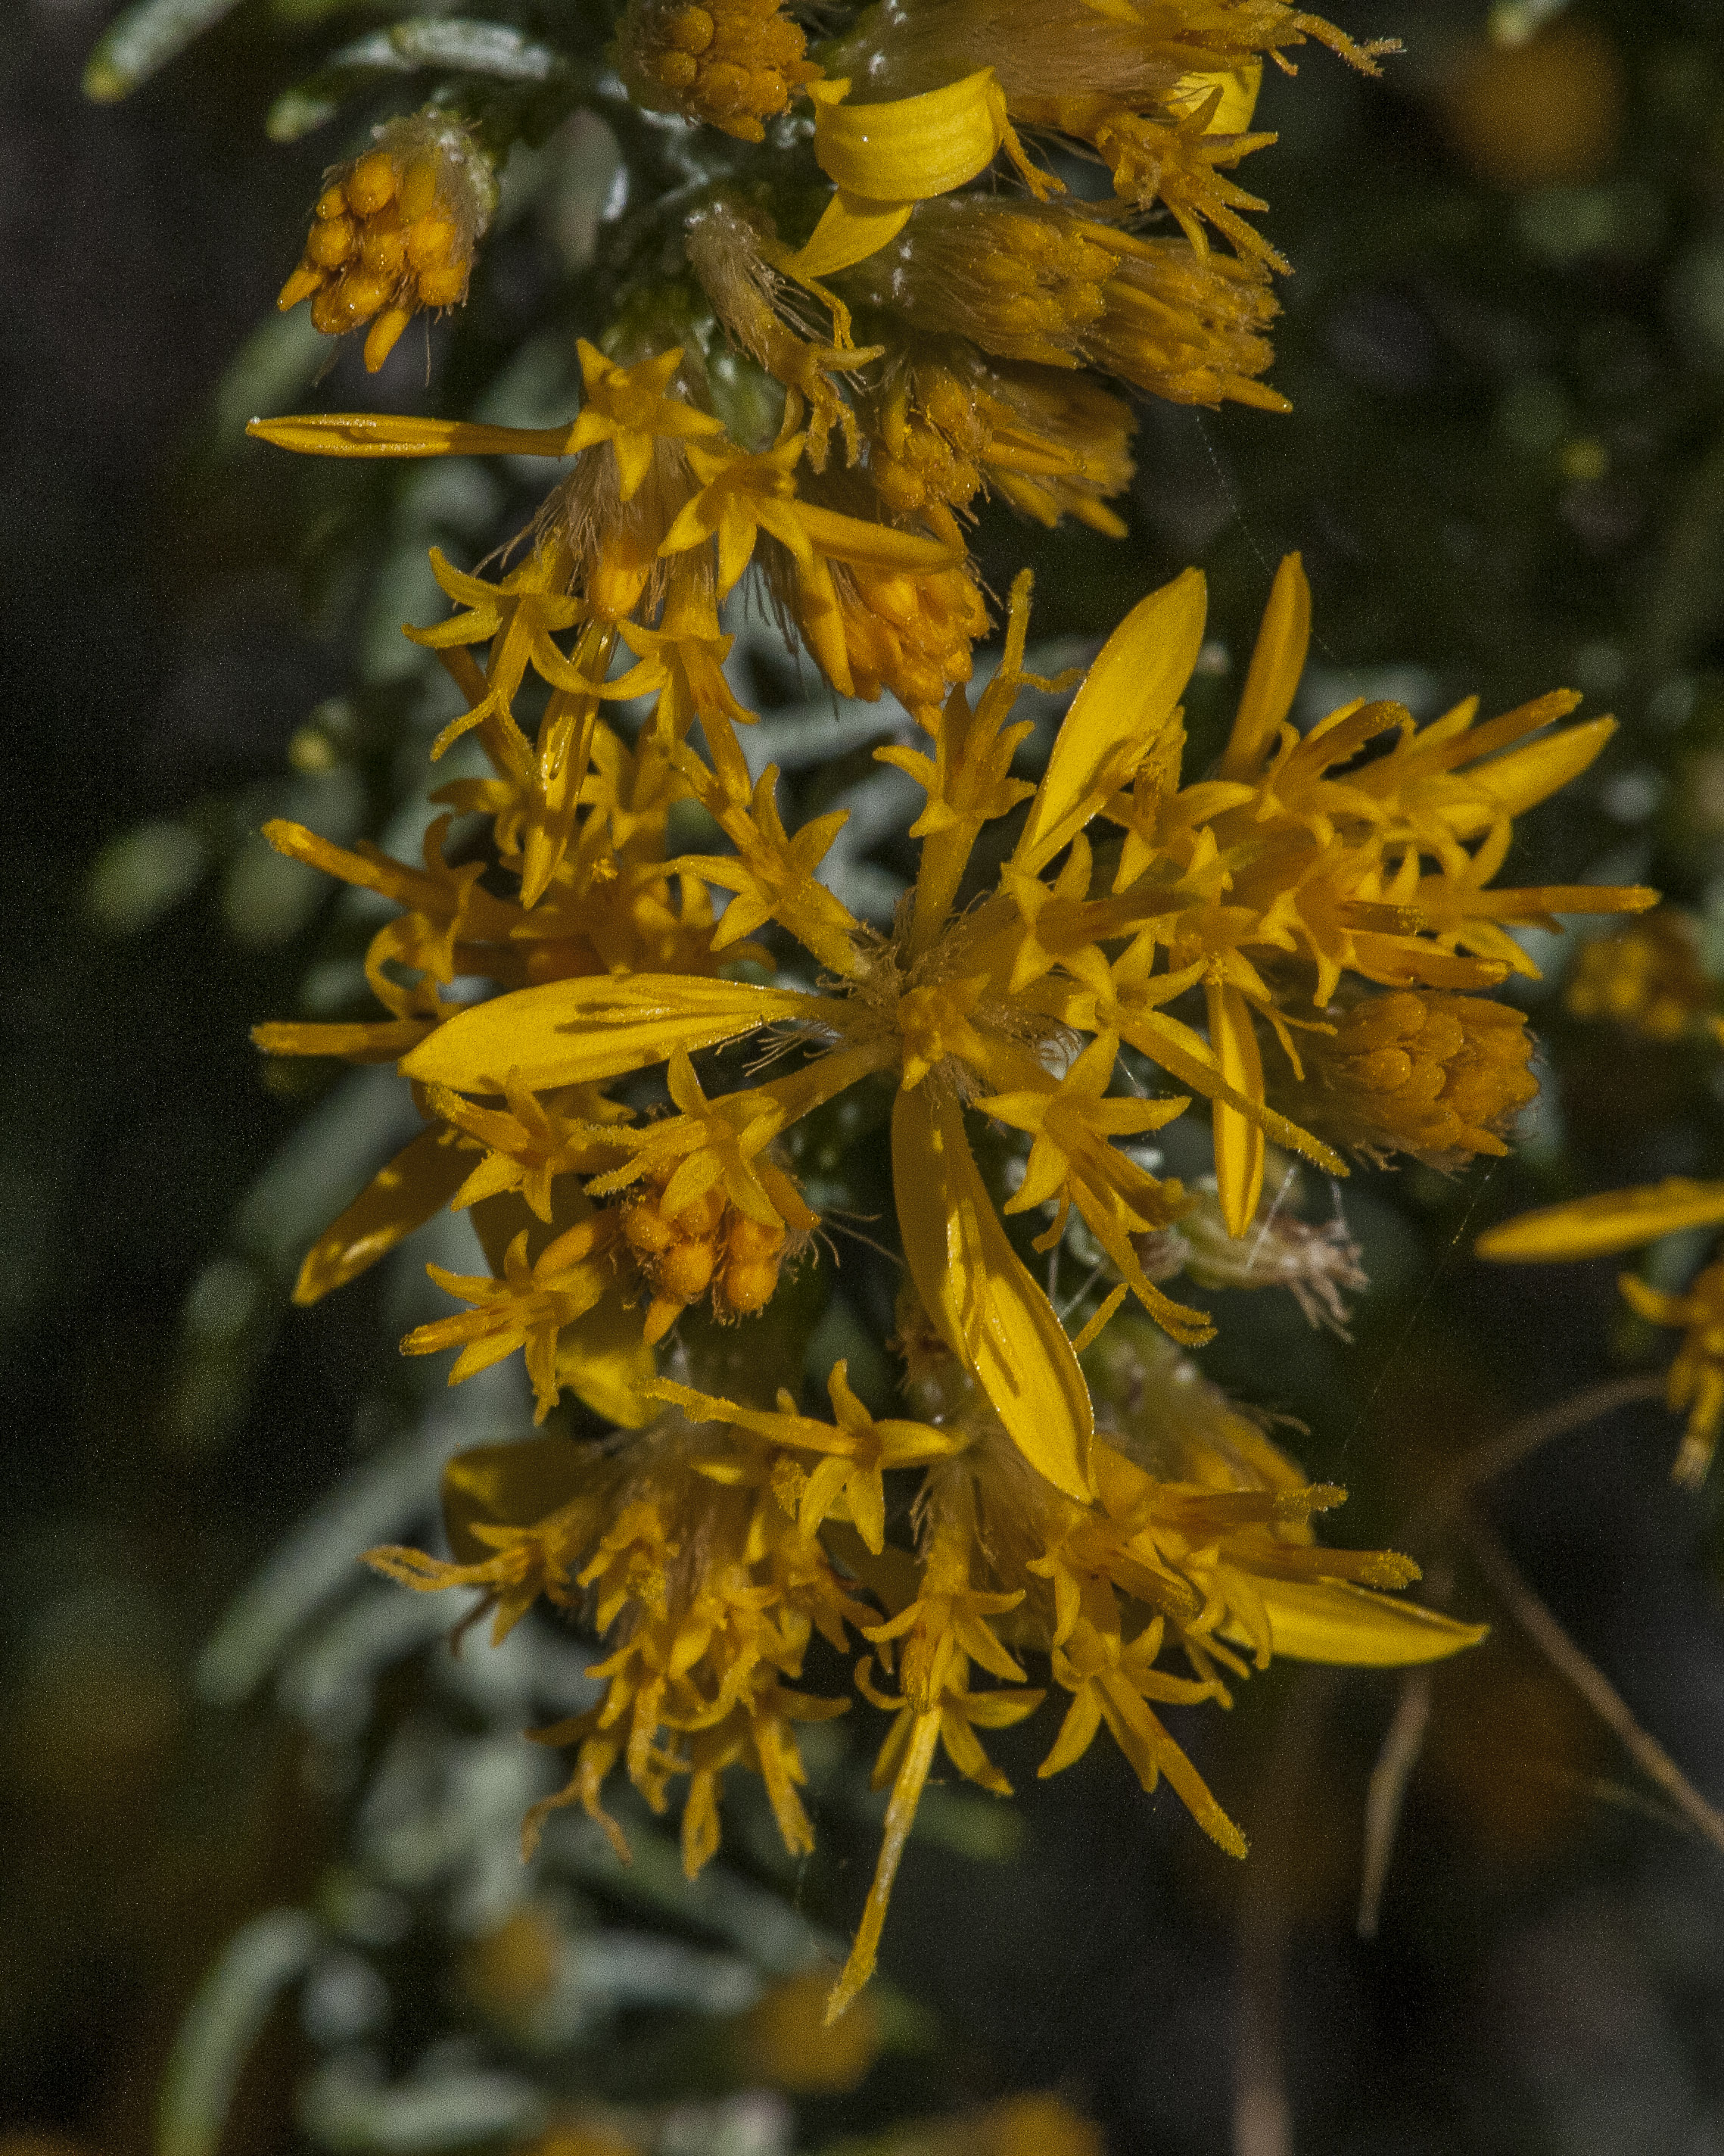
[[1239, 1139], [1276, 664], [910, 148], [1327, 1621], [567, 1032], [851, 228], [420, 1180], [389, 434], [1127, 697], [980, 1295], [1613, 1220]]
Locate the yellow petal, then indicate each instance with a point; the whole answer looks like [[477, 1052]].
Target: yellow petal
[[1612, 1220], [910, 148], [506, 1486], [385, 434], [874, 544], [1277, 662], [1518, 781], [604, 1360], [1127, 697], [568, 1032], [1239, 85], [420, 1180], [1239, 1139], [1324, 1620], [851, 228], [980, 1296]]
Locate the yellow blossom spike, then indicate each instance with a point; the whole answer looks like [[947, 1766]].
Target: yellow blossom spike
[[1277, 661], [569, 1032], [1129, 695], [981, 1298], [395, 232], [1610, 1221], [734, 64]]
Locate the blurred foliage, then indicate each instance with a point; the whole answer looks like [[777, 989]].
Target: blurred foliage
[[259, 1861]]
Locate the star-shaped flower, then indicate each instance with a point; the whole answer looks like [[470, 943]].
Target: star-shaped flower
[[628, 408]]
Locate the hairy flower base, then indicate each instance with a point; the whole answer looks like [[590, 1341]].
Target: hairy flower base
[[710, 1548]]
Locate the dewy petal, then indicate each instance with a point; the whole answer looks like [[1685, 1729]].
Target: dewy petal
[[1324, 1620], [1127, 697], [980, 1296], [566, 1033], [1612, 1220], [910, 148], [1277, 661]]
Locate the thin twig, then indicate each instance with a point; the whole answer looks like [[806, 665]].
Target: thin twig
[[1484, 1462], [1387, 1792], [1590, 1681]]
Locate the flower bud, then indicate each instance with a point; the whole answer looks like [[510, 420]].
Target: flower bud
[[394, 232], [732, 63], [1437, 1076], [1647, 977]]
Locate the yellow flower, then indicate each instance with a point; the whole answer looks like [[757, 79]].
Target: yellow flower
[[395, 232], [970, 1011], [1306, 860], [886, 157], [706, 1548], [1164, 93], [943, 424]]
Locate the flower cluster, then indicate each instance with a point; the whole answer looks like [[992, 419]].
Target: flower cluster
[[615, 902], [968, 325], [1278, 899]]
